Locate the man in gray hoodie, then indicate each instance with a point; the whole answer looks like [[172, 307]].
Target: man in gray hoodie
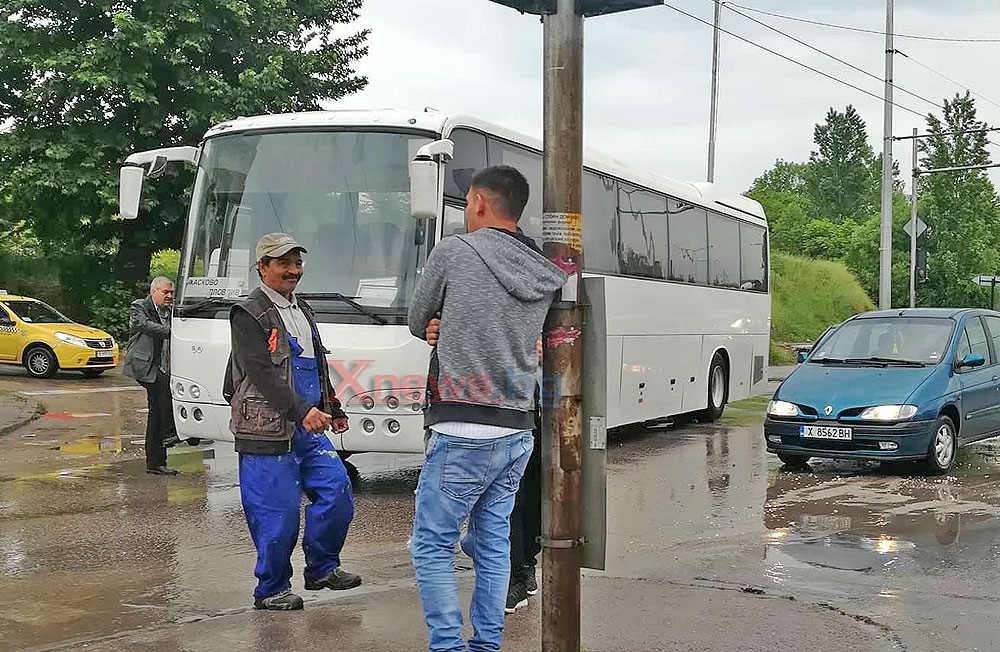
[[491, 290]]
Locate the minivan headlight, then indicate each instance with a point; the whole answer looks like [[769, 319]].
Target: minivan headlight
[[782, 409], [70, 339], [889, 412]]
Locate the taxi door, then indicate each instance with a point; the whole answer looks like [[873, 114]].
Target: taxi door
[[10, 335]]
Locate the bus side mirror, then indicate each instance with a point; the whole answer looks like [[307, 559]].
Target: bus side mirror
[[425, 178], [130, 191]]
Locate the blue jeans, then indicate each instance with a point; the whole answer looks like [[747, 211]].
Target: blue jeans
[[475, 479]]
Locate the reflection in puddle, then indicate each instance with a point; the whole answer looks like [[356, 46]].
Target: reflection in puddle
[[93, 445], [840, 551]]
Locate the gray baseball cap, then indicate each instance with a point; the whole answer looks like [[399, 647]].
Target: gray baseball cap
[[276, 245]]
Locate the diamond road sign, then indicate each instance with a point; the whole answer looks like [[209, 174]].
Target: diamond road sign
[[585, 7], [985, 280], [921, 226]]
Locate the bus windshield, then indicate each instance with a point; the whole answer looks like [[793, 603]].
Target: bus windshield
[[343, 195]]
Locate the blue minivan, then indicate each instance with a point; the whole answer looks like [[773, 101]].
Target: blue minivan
[[892, 385]]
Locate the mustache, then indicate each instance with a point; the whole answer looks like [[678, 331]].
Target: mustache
[[290, 277]]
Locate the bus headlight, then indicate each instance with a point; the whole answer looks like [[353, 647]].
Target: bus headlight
[[195, 392], [392, 402], [368, 403], [782, 409], [392, 426], [889, 412], [180, 389], [368, 425]]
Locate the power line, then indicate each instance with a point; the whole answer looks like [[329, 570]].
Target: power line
[[867, 31], [835, 58], [791, 60], [946, 77], [862, 70]]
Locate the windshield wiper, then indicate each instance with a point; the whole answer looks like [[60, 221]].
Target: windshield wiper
[[337, 296], [888, 361], [828, 360], [186, 309]]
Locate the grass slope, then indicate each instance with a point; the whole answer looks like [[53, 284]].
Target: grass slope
[[809, 295]]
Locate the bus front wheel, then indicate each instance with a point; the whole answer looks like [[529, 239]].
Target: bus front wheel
[[718, 390]]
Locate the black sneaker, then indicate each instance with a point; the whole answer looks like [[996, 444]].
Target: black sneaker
[[338, 580], [517, 597], [162, 470], [284, 601], [530, 585]]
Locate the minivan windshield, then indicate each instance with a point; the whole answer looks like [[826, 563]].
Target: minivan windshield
[[891, 339]]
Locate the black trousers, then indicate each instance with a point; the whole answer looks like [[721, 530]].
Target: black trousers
[[526, 519], [159, 421]]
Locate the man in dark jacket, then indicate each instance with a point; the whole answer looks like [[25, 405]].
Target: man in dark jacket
[[492, 288], [146, 362], [282, 405]]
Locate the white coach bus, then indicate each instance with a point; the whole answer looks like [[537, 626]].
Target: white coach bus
[[685, 267]]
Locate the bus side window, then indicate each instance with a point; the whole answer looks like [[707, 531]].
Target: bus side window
[[753, 258], [642, 224], [724, 251], [454, 221], [529, 164], [688, 243], [600, 223]]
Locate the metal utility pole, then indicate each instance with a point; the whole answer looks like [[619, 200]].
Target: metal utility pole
[[714, 113], [562, 173], [913, 225], [885, 240]]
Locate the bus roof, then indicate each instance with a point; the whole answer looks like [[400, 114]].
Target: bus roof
[[430, 120]]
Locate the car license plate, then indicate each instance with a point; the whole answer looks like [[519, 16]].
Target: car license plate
[[105, 354], [826, 432]]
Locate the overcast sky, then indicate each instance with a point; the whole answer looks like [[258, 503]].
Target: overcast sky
[[647, 74]]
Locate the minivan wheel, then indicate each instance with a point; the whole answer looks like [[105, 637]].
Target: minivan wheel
[[794, 461], [40, 362], [944, 446], [718, 390]]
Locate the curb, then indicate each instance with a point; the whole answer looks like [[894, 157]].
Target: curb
[[20, 423]]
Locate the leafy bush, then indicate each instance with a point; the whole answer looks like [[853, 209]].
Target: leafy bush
[[109, 308], [165, 263]]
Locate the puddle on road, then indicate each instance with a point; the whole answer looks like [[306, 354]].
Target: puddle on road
[[886, 521]]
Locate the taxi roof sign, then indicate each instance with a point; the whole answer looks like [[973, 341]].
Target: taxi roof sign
[[585, 7]]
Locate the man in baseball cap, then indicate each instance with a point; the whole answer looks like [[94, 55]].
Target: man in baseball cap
[[278, 385]]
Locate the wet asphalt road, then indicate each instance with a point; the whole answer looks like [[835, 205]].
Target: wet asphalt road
[[93, 551]]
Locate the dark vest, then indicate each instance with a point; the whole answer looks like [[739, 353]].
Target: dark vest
[[257, 426]]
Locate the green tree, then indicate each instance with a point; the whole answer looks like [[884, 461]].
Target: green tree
[[782, 192], [961, 209], [843, 179], [83, 84]]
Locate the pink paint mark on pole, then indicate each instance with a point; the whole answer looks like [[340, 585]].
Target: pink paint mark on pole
[[567, 265], [561, 335]]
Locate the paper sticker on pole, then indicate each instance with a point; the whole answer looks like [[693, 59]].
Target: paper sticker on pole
[[563, 228]]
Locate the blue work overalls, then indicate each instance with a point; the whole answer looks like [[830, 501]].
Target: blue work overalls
[[271, 488]]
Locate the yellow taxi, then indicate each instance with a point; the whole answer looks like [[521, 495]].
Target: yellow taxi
[[38, 336]]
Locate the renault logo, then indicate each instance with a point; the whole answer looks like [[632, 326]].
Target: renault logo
[[828, 410]]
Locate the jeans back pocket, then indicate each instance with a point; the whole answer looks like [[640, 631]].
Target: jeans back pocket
[[466, 466]]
